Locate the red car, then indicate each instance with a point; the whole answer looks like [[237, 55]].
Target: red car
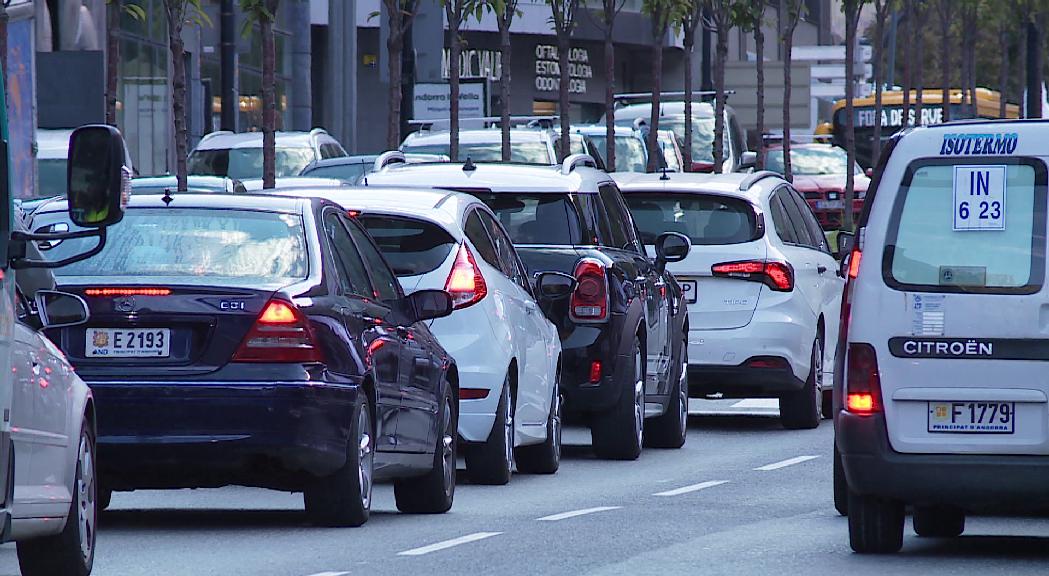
[[819, 174]]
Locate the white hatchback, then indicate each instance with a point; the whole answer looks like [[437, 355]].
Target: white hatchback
[[507, 352], [761, 284]]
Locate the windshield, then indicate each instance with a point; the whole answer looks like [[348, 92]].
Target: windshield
[[189, 246], [520, 152], [246, 163], [52, 177], [821, 161], [412, 247], [630, 152], [707, 219], [349, 173], [702, 136], [536, 218]]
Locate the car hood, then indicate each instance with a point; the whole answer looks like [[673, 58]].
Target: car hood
[[805, 183]]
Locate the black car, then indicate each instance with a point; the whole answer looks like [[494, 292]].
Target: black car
[[623, 327], [259, 341]]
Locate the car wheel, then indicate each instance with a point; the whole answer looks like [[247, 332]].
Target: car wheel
[[671, 429], [492, 461], [104, 498], [827, 408], [619, 433], [841, 486], [72, 551], [803, 409], [875, 524], [434, 492], [938, 522], [544, 458], [344, 498]]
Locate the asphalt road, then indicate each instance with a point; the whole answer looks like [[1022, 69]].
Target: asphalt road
[[743, 496]]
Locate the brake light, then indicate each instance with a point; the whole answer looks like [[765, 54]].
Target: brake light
[[127, 292], [589, 301], [854, 264], [768, 362], [465, 282], [778, 276], [281, 333], [705, 167], [595, 371], [863, 383], [473, 393]]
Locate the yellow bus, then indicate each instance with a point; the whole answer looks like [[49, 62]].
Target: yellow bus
[[987, 102]]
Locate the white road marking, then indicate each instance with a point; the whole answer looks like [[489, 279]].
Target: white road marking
[[785, 463], [448, 543], [691, 488], [330, 574], [769, 403], [574, 513]]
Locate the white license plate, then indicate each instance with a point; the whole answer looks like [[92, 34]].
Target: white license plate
[[829, 204], [690, 290], [972, 417], [128, 343]]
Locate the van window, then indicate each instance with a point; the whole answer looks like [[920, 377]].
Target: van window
[[926, 251]]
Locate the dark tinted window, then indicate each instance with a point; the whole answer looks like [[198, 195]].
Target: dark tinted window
[[707, 219], [385, 283], [819, 239], [346, 172], [780, 220], [412, 247], [353, 274], [801, 233], [478, 236], [504, 248], [536, 218], [618, 219]]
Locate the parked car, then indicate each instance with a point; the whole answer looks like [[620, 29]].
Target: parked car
[[195, 183], [507, 353], [260, 341], [623, 326], [528, 145], [254, 185], [631, 154], [351, 169], [762, 291], [671, 146], [819, 172], [239, 155]]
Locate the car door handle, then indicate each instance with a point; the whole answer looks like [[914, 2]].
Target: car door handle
[[821, 269]]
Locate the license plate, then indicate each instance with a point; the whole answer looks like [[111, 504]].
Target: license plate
[[128, 343], [829, 204], [690, 290], [972, 417]]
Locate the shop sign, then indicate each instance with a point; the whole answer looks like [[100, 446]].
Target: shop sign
[[548, 69], [474, 64], [431, 100]]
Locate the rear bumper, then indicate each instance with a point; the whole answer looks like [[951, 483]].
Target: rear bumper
[[973, 482], [785, 330], [586, 344], [200, 434], [741, 381]]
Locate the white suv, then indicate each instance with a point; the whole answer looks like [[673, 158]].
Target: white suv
[[761, 284], [944, 335], [238, 155]]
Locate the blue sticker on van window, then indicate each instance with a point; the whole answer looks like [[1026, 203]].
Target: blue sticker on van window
[[979, 144]]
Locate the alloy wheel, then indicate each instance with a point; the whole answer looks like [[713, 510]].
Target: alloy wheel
[[365, 458], [555, 423], [639, 399], [86, 491], [817, 371], [683, 386], [448, 448], [508, 429]]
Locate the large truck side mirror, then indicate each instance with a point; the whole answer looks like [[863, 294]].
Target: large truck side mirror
[[99, 176]]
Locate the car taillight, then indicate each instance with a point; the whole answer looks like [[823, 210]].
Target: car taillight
[[127, 292], [465, 282], [704, 167], [846, 294], [589, 301], [863, 383], [778, 276], [281, 333]]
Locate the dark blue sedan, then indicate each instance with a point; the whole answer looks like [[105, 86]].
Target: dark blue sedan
[[259, 341]]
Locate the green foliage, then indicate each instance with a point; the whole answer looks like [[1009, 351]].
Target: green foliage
[[666, 13], [133, 10], [258, 11], [198, 17], [747, 14]]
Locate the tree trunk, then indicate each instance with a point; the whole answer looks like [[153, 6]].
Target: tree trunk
[[879, 80], [610, 91], [453, 82], [178, 89], [655, 155], [973, 34], [689, 45], [113, 10], [394, 48], [851, 21], [945, 57], [918, 41], [3, 39], [269, 105], [721, 55], [1003, 69], [908, 48], [504, 84], [759, 52], [1034, 70], [564, 46], [788, 48], [1021, 61]]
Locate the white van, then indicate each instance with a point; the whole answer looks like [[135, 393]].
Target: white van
[[944, 393]]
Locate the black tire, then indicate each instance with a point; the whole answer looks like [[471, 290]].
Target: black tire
[[544, 458], [802, 410], [344, 497], [619, 433], [670, 430], [827, 408], [492, 461], [938, 522], [875, 524], [434, 492], [104, 498], [841, 486], [72, 551]]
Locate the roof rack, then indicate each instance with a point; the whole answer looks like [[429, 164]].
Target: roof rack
[[573, 161], [216, 133], [387, 158], [756, 177], [625, 98], [487, 122]]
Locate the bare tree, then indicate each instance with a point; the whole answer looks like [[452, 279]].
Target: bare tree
[[906, 49], [882, 9], [661, 14], [749, 15], [114, 9], [720, 14], [454, 12], [789, 15], [264, 12], [176, 14], [691, 21], [399, 17], [852, 9], [1004, 42], [610, 10], [563, 14], [918, 64], [504, 10], [970, 12], [943, 8]]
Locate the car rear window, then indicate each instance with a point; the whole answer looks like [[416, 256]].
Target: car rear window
[[412, 247], [349, 172], [549, 219], [244, 163], [190, 246], [707, 219], [943, 237]]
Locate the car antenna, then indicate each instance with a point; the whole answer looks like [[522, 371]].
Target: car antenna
[[167, 197], [664, 176], [469, 165]]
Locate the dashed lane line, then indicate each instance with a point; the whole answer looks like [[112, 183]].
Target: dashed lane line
[[574, 513], [691, 488], [448, 543], [330, 574], [785, 463]]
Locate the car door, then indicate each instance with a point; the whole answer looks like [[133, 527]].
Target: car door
[[367, 322], [27, 487], [420, 389], [53, 418], [799, 250]]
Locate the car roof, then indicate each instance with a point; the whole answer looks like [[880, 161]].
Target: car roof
[[485, 136], [439, 206], [494, 177], [686, 182], [286, 182], [227, 140], [261, 202], [672, 108], [599, 130], [53, 144], [194, 180]]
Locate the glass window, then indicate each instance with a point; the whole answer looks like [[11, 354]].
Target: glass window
[[383, 279], [52, 177], [520, 152], [536, 218], [245, 163], [801, 233], [412, 247], [353, 274], [619, 222], [346, 172], [504, 249], [924, 250], [818, 160], [702, 136], [191, 246], [478, 236], [630, 152], [812, 226], [779, 219], [707, 219]]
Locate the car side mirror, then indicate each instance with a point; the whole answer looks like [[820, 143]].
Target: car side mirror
[[747, 160], [428, 304], [844, 241], [671, 247], [99, 176], [554, 285], [60, 309]]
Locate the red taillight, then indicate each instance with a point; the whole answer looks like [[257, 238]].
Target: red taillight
[[854, 264], [465, 282], [127, 292], [768, 362], [281, 333], [706, 167], [473, 393], [778, 276], [595, 371], [353, 213], [589, 302], [863, 383]]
